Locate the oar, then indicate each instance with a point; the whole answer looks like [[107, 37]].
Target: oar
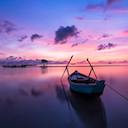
[[91, 68], [67, 66]]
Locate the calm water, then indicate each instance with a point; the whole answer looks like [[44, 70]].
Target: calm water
[[34, 98]]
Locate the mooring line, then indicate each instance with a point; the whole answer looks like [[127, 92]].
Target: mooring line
[[117, 92]]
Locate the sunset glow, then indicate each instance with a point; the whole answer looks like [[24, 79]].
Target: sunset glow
[[57, 29]]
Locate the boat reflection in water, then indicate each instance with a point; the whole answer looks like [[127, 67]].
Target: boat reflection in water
[[90, 110]]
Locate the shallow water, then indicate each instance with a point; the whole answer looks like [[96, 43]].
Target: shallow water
[[33, 97]]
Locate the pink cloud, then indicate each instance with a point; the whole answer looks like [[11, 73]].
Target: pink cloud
[[74, 45]]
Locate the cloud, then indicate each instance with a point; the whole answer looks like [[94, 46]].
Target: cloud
[[79, 18], [94, 6], [104, 36], [79, 41], [110, 2], [22, 38], [105, 46], [102, 6], [7, 27], [35, 37], [63, 33], [73, 45]]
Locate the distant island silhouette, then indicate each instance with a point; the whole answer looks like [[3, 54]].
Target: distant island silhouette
[[12, 61]]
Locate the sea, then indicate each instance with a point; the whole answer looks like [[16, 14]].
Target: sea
[[39, 97]]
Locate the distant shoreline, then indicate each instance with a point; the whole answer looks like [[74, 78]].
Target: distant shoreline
[[57, 66], [84, 66]]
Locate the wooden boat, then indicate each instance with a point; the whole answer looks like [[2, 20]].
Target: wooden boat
[[84, 84]]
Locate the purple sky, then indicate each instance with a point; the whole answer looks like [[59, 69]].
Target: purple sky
[[56, 29]]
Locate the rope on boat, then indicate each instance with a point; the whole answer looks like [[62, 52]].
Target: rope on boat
[[118, 93]]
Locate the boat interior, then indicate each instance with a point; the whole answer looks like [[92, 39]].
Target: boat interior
[[81, 78]]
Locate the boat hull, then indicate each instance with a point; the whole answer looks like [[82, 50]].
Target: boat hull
[[90, 88]]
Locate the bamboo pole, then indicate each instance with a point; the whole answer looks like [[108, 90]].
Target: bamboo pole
[[92, 69], [66, 68]]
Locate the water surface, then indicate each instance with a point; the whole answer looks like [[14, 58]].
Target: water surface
[[33, 97]]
